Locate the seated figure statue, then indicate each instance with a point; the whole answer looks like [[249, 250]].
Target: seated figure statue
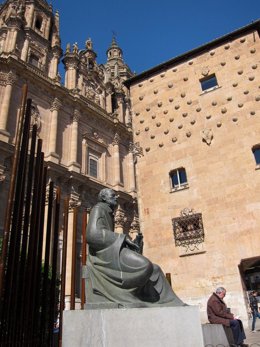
[[116, 273]]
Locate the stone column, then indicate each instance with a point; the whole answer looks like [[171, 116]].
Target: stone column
[[47, 29], [52, 155], [73, 164], [11, 39], [131, 168], [53, 71], [84, 168], [4, 111], [30, 16], [128, 119], [71, 73], [73, 203], [3, 43], [102, 99], [25, 49], [116, 160], [109, 101], [120, 100]]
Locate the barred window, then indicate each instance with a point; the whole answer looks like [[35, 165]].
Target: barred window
[[93, 167], [178, 178], [188, 229]]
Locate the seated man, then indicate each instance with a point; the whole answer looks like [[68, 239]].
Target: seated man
[[218, 314], [116, 272]]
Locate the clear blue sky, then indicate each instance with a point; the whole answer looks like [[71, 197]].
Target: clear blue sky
[[148, 31]]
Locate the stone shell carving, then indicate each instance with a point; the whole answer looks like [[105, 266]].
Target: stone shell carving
[[205, 71], [207, 136]]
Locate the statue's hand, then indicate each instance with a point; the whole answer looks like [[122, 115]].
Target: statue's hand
[[132, 245]]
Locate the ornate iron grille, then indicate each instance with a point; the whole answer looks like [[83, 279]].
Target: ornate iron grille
[[188, 229]]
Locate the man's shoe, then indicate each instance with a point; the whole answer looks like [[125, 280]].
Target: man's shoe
[[253, 331]]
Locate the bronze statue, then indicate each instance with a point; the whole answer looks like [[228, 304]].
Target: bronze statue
[[117, 275]]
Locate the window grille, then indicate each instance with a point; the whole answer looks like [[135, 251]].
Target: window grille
[[188, 229]]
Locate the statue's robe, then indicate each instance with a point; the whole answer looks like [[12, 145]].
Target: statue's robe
[[118, 274]]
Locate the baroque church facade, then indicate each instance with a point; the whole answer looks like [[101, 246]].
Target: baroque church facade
[[85, 124], [186, 131]]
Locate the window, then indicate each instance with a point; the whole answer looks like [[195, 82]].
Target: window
[[38, 23], [208, 83], [188, 229], [34, 60], [178, 179], [93, 167], [256, 152]]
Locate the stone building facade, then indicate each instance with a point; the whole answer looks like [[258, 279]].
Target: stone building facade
[[85, 124], [197, 119]]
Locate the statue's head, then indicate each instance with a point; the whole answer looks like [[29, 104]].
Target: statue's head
[[108, 196]]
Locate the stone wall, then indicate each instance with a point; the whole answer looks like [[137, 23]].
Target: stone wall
[[210, 134]]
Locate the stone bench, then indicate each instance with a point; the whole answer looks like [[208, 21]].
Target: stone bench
[[217, 335]]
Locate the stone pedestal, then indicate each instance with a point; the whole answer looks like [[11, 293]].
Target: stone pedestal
[[135, 327]]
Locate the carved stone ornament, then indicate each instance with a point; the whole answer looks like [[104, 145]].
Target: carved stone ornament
[[135, 225], [120, 218], [35, 117], [2, 178], [76, 116], [56, 104], [205, 71], [116, 139], [10, 78], [207, 136], [136, 149], [187, 212], [74, 202]]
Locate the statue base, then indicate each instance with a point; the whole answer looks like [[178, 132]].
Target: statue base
[[133, 327]]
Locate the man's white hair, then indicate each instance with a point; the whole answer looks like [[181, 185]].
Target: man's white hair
[[220, 290]]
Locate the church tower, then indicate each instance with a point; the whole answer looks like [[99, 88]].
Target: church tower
[[30, 31], [115, 64]]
